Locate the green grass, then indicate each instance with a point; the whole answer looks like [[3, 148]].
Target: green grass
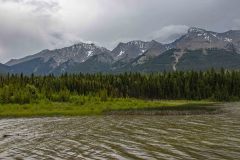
[[79, 106]]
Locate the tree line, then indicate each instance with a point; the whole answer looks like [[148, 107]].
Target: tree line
[[221, 85]]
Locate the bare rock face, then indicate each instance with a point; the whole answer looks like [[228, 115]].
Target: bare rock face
[[131, 50], [234, 37], [156, 50], [78, 53], [197, 38]]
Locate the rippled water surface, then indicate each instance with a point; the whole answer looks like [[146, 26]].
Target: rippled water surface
[[123, 137]]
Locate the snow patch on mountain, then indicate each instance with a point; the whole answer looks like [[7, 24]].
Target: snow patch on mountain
[[121, 53], [89, 53], [226, 39], [142, 51]]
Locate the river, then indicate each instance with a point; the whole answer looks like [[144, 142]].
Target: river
[[123, 137]]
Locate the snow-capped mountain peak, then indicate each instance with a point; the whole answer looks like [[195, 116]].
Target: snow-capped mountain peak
[[79, 52], [132, 49], [198, 38], [196, 30]]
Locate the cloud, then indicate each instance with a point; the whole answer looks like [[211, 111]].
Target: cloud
[[236, 24], [169, 33], [22, 29], [28, 26], [43, 6]]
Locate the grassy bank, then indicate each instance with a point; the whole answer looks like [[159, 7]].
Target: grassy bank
[[80, 106]]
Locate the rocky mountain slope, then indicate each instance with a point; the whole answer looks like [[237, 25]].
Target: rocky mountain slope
[[198, 42], [78, 53], [4, 68], [201, 39], [198, 49], [133, 49], [47, 61]]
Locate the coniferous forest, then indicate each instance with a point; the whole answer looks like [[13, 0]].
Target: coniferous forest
[[214, 85]]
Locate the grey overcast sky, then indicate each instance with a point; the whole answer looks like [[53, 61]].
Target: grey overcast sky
[[28, 26]]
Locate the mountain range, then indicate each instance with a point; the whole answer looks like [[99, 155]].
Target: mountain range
[[198, 49]]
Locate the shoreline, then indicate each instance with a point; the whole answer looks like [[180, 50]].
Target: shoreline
[[109, 107], [172, 111], [165, 112]]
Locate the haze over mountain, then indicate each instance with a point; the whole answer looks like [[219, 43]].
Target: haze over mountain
[[198, 49]]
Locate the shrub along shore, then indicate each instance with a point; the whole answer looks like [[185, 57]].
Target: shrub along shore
[[87, 105]]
